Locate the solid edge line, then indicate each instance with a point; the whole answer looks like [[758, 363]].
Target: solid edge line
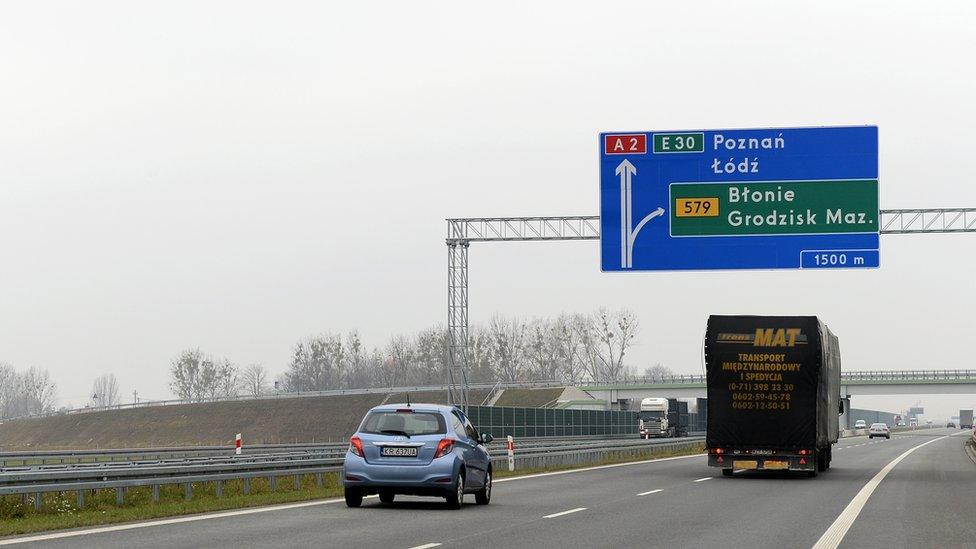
[[224, 514], [595, 468], [649, 492], [164, 522], [835, 534], [554, 515]]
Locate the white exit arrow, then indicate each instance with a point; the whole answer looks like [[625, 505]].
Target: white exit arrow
[[628, 233]]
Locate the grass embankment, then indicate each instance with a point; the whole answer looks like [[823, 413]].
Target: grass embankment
[[59, 511]]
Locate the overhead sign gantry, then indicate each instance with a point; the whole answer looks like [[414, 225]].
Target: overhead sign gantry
[[775, 198]]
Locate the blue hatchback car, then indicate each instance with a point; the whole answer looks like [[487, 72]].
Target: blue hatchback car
[[417, 449]]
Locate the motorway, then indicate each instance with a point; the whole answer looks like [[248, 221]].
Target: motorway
[[924, 500]]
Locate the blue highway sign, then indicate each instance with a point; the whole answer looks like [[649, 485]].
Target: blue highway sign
[[774, 198]]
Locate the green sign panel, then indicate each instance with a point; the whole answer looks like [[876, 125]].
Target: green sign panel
[[666, 143], [774, 207]]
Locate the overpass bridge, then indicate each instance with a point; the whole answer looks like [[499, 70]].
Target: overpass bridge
[[875, 382]]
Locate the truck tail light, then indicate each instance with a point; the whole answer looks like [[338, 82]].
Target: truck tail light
[[716, 451], [444, 447], [356, 446], [803, 461], [804, 452]]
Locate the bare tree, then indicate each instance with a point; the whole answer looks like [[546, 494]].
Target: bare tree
[[542, 350], [196, 376], [570, 349], [254, 380], [431, 356], [397, 360], [658, 371], [9, 391], [38, 392], [615, 332], [507, 338], [317, 364], [105, 391]]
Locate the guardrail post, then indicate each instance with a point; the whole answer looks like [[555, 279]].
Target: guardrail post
[[155, 493], [80, 498], [188, 490], [119, 495], [219, 488], [318, 480], [273, 483], [38, 500], [298, 482], [247, 486]]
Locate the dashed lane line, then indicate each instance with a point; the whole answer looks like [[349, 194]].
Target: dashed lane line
[[704, 479], [562, 513], [649, 492], [426, 546]]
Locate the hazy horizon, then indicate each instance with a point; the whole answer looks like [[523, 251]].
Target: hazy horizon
[[236, 178]]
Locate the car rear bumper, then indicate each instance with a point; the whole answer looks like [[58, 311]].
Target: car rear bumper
[[437, 476]]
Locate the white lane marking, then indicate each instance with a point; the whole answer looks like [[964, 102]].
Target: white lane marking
[[194, 518], [178, 520], [704, 479], [426, 546], [649, 492], [738, 471], [835, 534], [554, 515], [595, 468]]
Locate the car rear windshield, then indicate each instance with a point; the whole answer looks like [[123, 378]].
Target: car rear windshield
[[879, 425], [393, 422]]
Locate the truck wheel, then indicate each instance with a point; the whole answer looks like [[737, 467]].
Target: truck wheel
[[726, 472], [822, 461]]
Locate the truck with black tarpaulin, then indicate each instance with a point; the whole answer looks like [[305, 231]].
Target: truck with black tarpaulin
[[773, 387]]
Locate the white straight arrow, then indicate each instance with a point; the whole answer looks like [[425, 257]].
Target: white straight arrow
[[626, 171], [628, 233]]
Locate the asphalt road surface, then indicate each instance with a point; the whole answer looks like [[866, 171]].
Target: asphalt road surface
[[923, 501]]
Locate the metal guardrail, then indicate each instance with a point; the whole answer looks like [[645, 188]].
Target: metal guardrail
[[32, 481]]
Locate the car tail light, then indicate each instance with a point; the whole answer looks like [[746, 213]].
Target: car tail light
[[356, 446], [444, 447]]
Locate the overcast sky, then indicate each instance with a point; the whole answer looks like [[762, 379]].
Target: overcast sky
[[237, 175]]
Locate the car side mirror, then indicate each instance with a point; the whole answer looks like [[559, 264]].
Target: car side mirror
[[485, 438]]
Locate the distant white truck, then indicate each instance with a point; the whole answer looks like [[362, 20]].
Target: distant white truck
[[653, 418], [663, 417]]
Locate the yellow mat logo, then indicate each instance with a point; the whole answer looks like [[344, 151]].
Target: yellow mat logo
[[782, 337]]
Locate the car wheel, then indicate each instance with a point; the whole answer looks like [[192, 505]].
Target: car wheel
[[456, 498], [386, 496], [887, 437], [483, 497], [354, 497]]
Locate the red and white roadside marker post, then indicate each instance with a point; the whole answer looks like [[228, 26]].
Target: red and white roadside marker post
[[511, 453], [237, 444]]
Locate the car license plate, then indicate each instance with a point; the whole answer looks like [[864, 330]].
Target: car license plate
[[399, 451], [745, 464], [776, 464]]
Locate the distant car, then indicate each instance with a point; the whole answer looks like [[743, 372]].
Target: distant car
[[951, 424], [928, 422], [860, 424], [879, 430], [419, 449], [901, 423]]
